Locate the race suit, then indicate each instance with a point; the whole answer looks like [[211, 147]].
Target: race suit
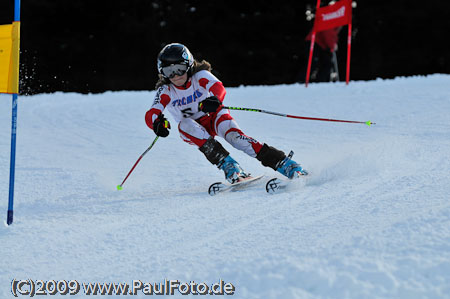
[[195, 126]]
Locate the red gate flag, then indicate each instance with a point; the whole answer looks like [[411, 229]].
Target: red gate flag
[[328, 17], [331, 16]]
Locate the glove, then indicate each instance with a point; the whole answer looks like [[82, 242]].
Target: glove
[[210, 104], [161, 126]]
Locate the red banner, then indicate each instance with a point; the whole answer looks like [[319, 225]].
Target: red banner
[[331, 16]]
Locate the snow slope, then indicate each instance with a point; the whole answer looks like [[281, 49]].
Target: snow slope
[[372, 220]]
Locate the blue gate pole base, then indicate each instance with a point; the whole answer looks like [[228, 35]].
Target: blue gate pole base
[[9, 220]]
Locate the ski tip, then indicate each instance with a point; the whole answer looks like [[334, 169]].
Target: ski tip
[[215, 188], [273, 185], [119, 187]]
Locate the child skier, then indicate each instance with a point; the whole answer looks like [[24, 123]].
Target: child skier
[[194, 96]]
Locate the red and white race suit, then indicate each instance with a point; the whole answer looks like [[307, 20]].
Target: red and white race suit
[[195, 126]]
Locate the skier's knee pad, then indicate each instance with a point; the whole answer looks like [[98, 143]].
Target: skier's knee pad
[[270, 156], [214, 151]]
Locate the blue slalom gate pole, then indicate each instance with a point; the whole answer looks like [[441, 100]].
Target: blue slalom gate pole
[[12, 167], [17, 10], [12, 160]]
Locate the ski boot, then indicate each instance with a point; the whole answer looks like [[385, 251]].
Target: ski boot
[[290, 168], [233, 171]]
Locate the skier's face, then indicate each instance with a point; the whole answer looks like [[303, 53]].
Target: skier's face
[[179, 80]]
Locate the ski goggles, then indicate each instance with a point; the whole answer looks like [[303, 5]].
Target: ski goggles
[[174, 69]]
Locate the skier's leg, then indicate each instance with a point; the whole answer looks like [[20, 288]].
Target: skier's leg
[[277, 160], [193, 133], [217, 155], [226, 127]]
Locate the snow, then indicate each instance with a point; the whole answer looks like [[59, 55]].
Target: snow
[[371, 221]]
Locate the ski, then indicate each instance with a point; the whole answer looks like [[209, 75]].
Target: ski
[[220, 187], [277, 185]]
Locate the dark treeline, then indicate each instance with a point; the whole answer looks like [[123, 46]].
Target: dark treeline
[[93, 46]]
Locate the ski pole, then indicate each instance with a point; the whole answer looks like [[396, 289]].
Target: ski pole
[[119, 187], [300, 117]]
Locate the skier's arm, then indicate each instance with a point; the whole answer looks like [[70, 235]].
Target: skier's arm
[[218, 90], [212, 103], [156, 110]]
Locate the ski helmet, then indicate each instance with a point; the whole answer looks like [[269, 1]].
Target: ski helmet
[[174, 54]]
